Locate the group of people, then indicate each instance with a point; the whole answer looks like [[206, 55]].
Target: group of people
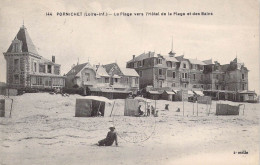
[[149, 110]]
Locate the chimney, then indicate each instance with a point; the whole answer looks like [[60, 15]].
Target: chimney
[[133, 57], [53, 59]]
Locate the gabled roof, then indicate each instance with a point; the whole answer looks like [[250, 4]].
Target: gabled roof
[[27, 44], [195, 61], [143, 56], [129, 72], [108, 67], [208, 62], [101, 71], [76, 69]]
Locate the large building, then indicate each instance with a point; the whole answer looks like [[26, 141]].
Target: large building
[[26, 68], [177, 72]]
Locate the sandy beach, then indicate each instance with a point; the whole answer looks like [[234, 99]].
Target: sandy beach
[[43, 129]]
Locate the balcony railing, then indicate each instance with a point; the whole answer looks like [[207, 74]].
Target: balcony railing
[[184, 80], [161, 77]]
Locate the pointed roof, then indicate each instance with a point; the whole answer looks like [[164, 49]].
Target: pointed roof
[[101, 71], [108, 67], [76, 69], [27, 44]]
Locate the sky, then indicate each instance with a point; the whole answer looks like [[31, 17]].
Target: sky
[[232, 30]]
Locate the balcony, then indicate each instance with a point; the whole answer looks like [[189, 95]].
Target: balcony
[[184, 80], [161, 77]]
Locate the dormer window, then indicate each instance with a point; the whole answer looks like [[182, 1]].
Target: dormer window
[[184, 65], [16, 46], [159, 61]]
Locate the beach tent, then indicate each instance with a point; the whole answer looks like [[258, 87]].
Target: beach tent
[[89, 107], [226, 109], [168, 95], [2, 107], [131, 107]]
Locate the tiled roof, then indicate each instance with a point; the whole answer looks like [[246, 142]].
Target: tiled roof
[[108, 67], [143, 56], [129, 72], [195, 61], [76, 69], [27, 44]]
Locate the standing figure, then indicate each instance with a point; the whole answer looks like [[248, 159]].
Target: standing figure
[[148, 110], [109, 140]]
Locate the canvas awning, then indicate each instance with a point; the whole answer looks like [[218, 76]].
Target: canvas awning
[[190, 92], [154, 92], [170, 93], [141, 99], [200, 93], [98, 98]]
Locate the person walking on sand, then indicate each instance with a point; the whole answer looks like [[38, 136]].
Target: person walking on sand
[[109, 140]]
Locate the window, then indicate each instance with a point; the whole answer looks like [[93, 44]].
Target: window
[[141, 73], [194, 76], [185, 85], [169, 64], [173, 64], [16, 64], [184, 65], [136, 81], [186, 75], [160, 72], [139, 63], [173, 75], [16, 79], [143, 62], [216, 86], [106, 80], [135, 65], [116, 80], [243, 86], [173, 84], [159, 61], [49, 68], [127, 80], [35, 67], [87, 77], [243, 76], [41, 68]]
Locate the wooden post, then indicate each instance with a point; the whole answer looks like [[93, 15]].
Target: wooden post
[[193, 107], [197, 109], [113, 108]]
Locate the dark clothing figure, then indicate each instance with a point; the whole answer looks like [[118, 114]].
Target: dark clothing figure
[[153, 110], [140, 112], [148, 110], [109, 140]]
